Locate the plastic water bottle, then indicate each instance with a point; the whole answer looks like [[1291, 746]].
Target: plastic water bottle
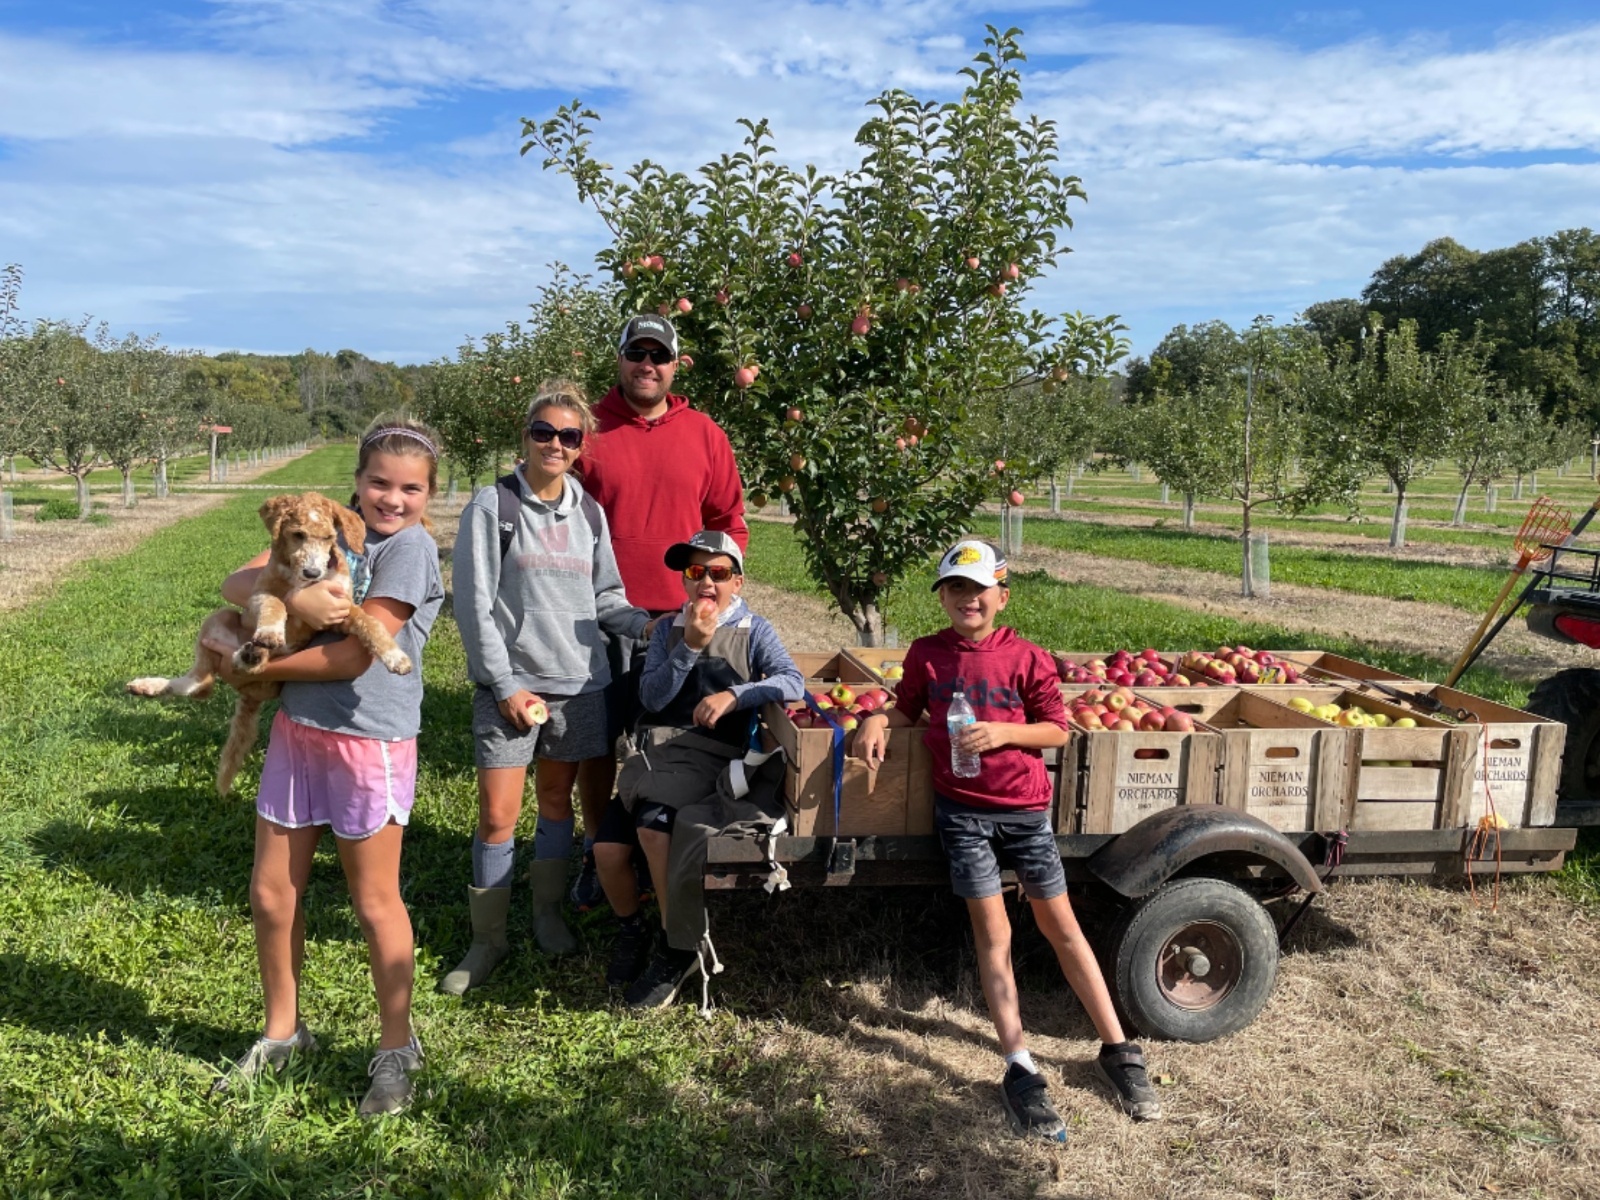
[[963, 764]]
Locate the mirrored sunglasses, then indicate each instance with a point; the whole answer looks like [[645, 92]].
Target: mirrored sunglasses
[[719, 573], [542, 431], [660, 357]]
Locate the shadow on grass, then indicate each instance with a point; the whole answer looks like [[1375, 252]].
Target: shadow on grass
[[52, 998]]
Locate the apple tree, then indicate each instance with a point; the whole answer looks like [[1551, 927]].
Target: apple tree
[[1401, 407], [846, 327]]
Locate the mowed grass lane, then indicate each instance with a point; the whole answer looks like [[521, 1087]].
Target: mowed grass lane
[[127, 971], [1470, 588]]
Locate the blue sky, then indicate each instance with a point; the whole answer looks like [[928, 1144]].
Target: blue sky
[[275, 174]]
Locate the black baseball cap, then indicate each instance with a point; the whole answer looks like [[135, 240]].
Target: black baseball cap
[[647, 327]]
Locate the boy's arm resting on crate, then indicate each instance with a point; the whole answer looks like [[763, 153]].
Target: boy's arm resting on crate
[[773, 675], [872, 736]]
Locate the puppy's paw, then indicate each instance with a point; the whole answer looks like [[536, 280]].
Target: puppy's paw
[[250, 658], [270, 636], [397, 661], [151, 685]]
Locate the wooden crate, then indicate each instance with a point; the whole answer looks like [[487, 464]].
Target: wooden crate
[[1518, 759], [872, 660], [831, 668], [1124, 777], [1433, 790], [1293, 771], [1329, 666], [896, 799]]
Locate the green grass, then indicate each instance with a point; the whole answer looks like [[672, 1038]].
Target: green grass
[[1470, 588], [127, 969]]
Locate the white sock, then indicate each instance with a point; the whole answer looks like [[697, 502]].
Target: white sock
[[1022, 1059]]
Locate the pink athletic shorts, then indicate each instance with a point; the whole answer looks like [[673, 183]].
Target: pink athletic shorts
[[356, 785]]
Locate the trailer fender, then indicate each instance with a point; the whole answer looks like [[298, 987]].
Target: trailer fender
[[1158, 847]]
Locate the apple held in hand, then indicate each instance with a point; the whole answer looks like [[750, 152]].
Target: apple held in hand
[[537, 711]]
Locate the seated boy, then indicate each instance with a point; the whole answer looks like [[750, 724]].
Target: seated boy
[[706, 675], [1003, 813]]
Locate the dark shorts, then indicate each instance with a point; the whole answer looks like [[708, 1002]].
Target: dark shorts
[[979, 844], [575, 731], [621, 827]]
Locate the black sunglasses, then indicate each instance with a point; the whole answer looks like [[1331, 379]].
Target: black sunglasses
[[542, 431], [660, 357]]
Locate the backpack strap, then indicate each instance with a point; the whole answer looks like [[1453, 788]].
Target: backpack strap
[[509, 493]]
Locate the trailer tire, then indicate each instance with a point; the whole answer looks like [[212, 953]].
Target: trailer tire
[[1195, 960], [1573, 698]]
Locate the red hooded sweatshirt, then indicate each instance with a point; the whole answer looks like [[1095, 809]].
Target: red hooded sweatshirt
[[1006, 679], [659, 482]]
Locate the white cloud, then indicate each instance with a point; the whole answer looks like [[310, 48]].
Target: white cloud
[[224, 193]]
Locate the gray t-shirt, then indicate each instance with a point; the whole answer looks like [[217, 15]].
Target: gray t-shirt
[[378, 703]]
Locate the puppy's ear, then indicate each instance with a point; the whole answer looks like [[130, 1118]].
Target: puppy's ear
[[275, 510], [352, 526]]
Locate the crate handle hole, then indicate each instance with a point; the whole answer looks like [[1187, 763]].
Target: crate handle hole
[[1146, 753], [1283, 751], [1506, 744]]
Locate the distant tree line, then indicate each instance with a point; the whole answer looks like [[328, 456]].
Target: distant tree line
[[77, 399]]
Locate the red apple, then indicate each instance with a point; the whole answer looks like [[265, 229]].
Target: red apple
[[786, 484], [999, 465], [721, 296], [684, 305], [822, 699], [743, 378], [797, 462], [900, 444], [685, 362], [657, 263], [842, 694], [794, 414], [997, 289], [862, 325], [536, 711], [794, 259], [1017, 499], [1012, 271], [803, 312], [1152, 722], [1180, 723], [972, 262], [1177, 681], [1147, 678], [1125, 726]]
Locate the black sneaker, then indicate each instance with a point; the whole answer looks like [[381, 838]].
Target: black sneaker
[[668, 971], [1121, 1068], [629, 953], [587, 894], [1029, 1108]]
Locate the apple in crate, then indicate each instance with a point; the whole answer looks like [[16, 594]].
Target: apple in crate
[[842, 695], [822, 700]]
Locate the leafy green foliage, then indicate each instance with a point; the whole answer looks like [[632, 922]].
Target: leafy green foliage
[[845, 328]]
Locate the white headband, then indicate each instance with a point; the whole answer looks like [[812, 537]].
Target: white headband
[[402, 432]]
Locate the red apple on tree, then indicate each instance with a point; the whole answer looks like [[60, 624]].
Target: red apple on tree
[[684, 305], [744, 377]]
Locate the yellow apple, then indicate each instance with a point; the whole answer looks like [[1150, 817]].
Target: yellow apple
[[1301, 704]]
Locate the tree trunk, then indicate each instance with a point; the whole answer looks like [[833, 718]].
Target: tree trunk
[[127, 487], [1397, 529], [1533, 482], [1516, 488], [85, 503], [161, 477], [863, 615], [1188, 510], [1491, 498], [1166, 494], [1055, 495], [1071, 475], [1459, 517], [1247, 583]]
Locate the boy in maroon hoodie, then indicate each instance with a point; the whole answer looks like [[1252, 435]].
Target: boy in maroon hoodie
[[1002, 813]]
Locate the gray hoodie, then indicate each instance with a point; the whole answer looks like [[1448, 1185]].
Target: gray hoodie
[[535, 620]]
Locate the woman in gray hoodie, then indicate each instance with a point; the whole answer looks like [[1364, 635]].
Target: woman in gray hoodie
[[532, 602]]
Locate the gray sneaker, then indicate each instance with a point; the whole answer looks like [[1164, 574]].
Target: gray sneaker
[[391, 1088], [265, 1054]]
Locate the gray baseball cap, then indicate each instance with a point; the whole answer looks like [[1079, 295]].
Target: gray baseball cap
[[712, 541], [647, 327]]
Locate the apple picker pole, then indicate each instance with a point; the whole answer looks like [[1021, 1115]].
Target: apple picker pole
[[1545, 526]]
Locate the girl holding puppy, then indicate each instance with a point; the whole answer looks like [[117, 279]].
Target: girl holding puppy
[[343, 756], [531, 614]]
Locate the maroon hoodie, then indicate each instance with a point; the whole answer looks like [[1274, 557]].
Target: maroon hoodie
[[660, 481], [1006, 679]]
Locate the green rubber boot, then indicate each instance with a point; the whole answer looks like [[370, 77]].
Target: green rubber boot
[[548, 879], [489, 945]]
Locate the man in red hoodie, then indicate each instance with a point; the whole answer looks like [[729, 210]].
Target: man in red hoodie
[[662, 471]]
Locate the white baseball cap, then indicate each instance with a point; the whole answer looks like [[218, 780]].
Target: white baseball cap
[[975, 560]]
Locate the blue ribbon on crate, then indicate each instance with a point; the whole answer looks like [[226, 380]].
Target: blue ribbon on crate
[[838, 758]]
